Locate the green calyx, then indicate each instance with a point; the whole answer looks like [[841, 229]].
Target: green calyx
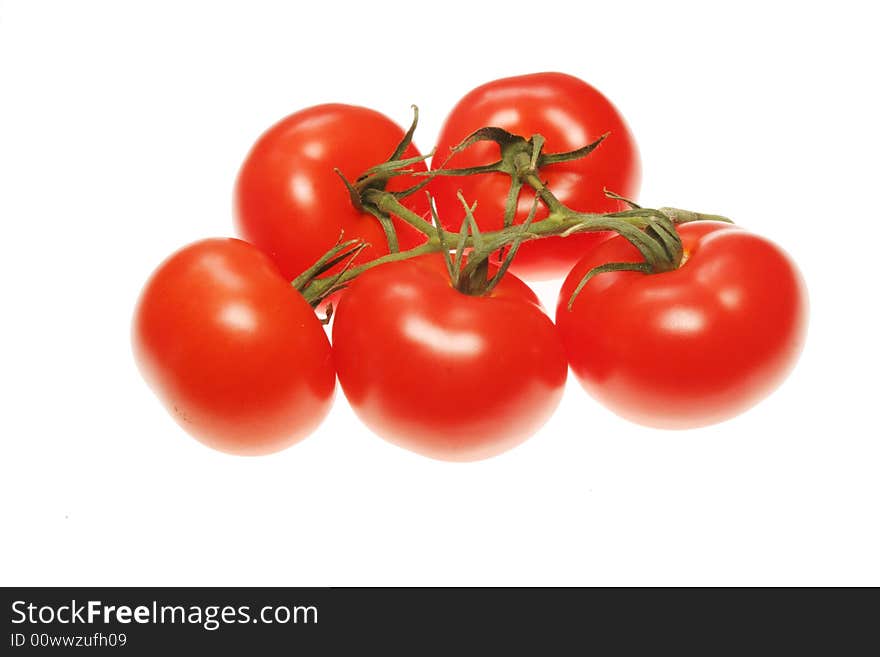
[[376, 179]]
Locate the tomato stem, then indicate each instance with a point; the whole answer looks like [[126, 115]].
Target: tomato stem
[[651, 231]]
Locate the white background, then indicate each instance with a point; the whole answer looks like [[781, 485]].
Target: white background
[[122, 125]]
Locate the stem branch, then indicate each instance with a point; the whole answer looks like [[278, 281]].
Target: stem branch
[[651, 231]]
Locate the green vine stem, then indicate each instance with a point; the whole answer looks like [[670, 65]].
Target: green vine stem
[[629, 223], [651, 231]]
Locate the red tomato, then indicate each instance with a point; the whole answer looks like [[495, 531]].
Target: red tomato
[[450, 376], [692, 346], [570, 114], [291, 204], [234, 352]]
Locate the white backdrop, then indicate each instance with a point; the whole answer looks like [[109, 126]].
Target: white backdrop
[[122, 125]]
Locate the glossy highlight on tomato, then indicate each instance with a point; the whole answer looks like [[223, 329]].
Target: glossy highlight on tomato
[[570, 114], [233, 351], [444, 374], [290, 202], [689, 347]]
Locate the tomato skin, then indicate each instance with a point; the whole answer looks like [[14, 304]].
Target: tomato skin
[[441, 373], [570, 114], [233, 351], [690, 347], [291, 204]]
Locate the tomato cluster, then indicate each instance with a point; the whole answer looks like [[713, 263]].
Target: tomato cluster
[[437, 346]]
